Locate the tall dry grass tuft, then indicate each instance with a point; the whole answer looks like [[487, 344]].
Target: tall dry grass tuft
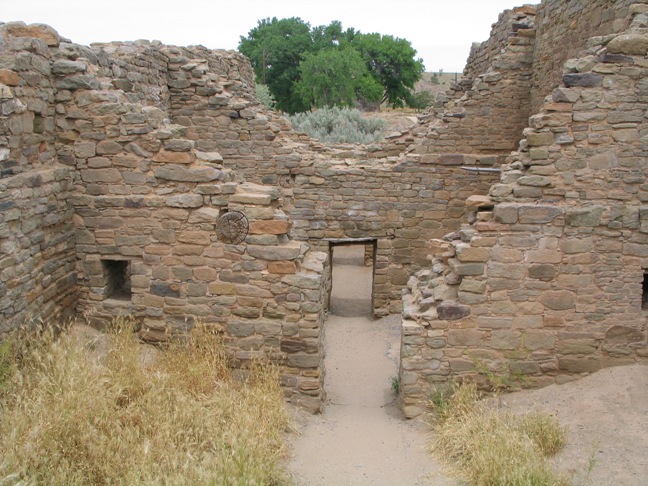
[[73, 416], [489, 447]]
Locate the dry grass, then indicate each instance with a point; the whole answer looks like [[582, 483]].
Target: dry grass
[[485, 446], [70, 416]]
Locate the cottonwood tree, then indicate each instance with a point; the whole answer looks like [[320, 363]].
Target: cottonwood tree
[[307, 67]]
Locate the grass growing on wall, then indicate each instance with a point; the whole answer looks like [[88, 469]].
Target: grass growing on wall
[[489, 447], [71, 415], [339, 125]]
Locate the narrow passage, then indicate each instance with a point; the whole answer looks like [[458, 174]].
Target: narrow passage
[[361, 438]]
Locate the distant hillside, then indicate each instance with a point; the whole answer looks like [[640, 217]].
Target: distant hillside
[[444, 81]]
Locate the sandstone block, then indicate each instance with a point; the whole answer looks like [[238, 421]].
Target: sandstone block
[[96, 176], [630, 44], [451, 311], [9, 77], [250, 198], [538, 214], [534, 181], [494, 322], [588, 80], [274, 253], [281, 267], [558, 299], [579, 365], [466, 337], [184, 201], [270, 227], [534, 340], [584, 216], [172, 157], [106, 147], [542, 271], [466, 253], [180, 173], [303, 360]]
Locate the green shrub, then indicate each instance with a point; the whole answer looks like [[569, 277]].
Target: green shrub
[[265, 96], [339, 125]]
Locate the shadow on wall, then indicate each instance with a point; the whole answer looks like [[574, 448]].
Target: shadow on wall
[[352, 282]]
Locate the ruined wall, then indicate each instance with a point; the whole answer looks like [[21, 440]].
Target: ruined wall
[[482, 55], [37, 262], [486, 113], [549, 282], [400, 204], [563, 30]]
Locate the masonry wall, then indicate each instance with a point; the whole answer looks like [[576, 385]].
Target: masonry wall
[[563, 30], [37, 262], [487, 111], [548, 283], [483, 54]]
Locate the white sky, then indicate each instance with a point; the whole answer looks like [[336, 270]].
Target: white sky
[[440, 30]]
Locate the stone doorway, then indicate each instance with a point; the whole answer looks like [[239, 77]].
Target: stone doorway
[[353, 270]]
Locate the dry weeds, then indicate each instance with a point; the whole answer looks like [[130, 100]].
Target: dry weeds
[[486, 446], [70, 416]]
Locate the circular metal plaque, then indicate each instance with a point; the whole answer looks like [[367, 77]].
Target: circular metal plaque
[[232, 227]]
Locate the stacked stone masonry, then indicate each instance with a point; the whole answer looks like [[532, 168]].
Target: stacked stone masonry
[[118, 161], [549, 281]]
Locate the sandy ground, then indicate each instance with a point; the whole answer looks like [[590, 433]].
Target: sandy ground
[[362, 438], [606, 416]]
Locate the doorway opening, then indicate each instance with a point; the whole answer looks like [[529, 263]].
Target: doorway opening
[[353, 266]]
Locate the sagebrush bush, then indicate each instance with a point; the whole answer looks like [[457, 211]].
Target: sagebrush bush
[[265, 96], [70, 415], [488, 447], [339, 125]]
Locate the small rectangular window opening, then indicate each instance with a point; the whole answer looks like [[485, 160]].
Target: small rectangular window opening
[[644, 297], [117, 279]]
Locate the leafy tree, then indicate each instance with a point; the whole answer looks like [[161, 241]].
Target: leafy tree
[[421, 100], [391, 62], [275, 49], [305, 67], [333, 77]]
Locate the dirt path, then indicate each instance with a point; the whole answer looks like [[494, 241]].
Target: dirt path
[[361, 438]]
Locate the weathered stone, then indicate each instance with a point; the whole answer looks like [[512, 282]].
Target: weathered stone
[[451, 311], [9, 77], [538, 214], [270, 227], [558, 299], [171, 157], [584, 216], [629, 44], [274, 253], [181, 173], [184, 201], [282, 267], [588, 80]]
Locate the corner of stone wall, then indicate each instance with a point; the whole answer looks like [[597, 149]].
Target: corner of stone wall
[[547, 282]]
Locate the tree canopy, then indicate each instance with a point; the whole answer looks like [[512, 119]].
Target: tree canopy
[[328, 65]]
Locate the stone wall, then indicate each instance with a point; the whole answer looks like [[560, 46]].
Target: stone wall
[[550, 280], [483, 54], [563, 30], [37, 261], [486, 112]]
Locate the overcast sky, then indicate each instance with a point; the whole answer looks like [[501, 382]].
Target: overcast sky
[[440, 30]]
